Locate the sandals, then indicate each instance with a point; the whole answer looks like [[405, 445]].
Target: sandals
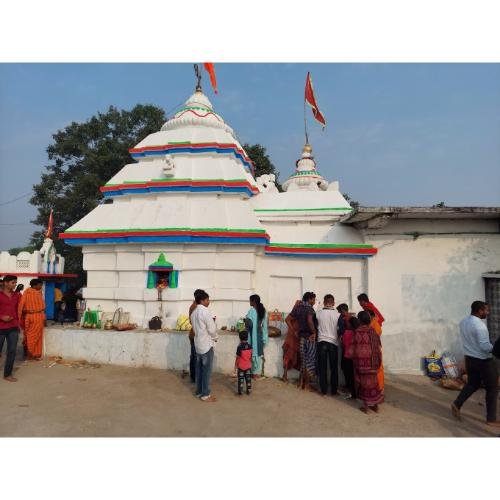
[[208, 399]]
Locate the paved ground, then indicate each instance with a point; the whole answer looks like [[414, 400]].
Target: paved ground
[[115, 401]]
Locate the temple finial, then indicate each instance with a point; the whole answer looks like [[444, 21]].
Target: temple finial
[[198, 77]]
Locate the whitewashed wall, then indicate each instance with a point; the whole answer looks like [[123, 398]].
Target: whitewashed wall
[[425, 286], [117, 277]]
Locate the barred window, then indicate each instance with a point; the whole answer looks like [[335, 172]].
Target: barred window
[[22, 264]]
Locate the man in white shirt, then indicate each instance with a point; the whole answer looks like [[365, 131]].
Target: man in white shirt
[[479, 363], [328, 342], [205, 336]]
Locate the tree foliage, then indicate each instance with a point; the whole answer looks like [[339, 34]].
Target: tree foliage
[[83, 157], [261, 161], [18, 250]]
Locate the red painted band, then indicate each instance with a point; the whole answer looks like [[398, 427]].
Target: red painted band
[[320, 250]]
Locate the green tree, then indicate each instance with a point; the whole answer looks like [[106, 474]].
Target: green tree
[[261, 161], [83, 157], [18, 250]]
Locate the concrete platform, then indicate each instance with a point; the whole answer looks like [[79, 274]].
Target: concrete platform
[[149, 349]]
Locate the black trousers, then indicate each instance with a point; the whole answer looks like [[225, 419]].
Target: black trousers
[[192, 361], [328, 354], [485, 371], [245, 375], [347, 366], [11, 335]]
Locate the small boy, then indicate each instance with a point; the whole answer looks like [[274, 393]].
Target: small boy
[[243, 363]]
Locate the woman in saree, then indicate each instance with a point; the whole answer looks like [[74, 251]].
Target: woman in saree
[[366, 353], [32, 312], [378, 330], [258, 337], [291, 356]]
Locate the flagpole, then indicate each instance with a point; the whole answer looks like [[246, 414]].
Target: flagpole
[[305, 122]]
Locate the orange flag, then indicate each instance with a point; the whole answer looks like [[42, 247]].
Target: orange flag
[[50, 227], [211, 71], [311, 100]]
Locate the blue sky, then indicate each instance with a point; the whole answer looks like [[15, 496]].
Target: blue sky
[[397, 134]]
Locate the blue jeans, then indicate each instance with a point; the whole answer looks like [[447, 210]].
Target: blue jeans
[[204, 364], [192, 361], [11, 335]]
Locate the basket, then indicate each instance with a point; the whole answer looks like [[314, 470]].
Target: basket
[[276, 323]]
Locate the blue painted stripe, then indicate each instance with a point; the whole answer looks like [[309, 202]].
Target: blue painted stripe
[[179, 189], [321, 256], [158, 152], [166, 239]]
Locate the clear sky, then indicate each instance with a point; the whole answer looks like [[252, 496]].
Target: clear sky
[[397, 134]]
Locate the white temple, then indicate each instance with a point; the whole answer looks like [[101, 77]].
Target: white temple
[[189, 214]]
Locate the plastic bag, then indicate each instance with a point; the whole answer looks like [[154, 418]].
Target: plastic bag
[[450, 366], [276, 321], [183, 323], [452, 383], [434, 366]]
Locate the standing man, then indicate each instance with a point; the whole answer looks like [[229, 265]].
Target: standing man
[[307, 325], [192, 355], [32, 310], [9, 323], [204, 341], [328, 342], [365, 303], [2, 339], [58, 297], [479, 363]]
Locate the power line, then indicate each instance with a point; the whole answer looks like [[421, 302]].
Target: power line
[[16, 199]]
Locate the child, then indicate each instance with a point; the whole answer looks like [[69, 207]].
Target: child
[[346, 363], [243, 363]]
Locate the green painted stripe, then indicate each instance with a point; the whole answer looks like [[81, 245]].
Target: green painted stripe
[[299, 209], [201, 108], [319, 245], [179, 142], [166, 181], [136, 229], [305, 172]]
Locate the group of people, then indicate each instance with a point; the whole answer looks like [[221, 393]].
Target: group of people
[[203, 337], [314, 342], [317, 339], [25, 310], [313, 345]]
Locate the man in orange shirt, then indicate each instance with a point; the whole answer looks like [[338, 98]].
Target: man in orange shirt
[[32, 310]]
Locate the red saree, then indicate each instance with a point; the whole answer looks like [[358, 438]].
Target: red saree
[[367, 357], [291, 345]]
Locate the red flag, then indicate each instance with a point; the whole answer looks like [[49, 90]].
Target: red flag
[[50, 227], [211, 71], [311, 100]]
